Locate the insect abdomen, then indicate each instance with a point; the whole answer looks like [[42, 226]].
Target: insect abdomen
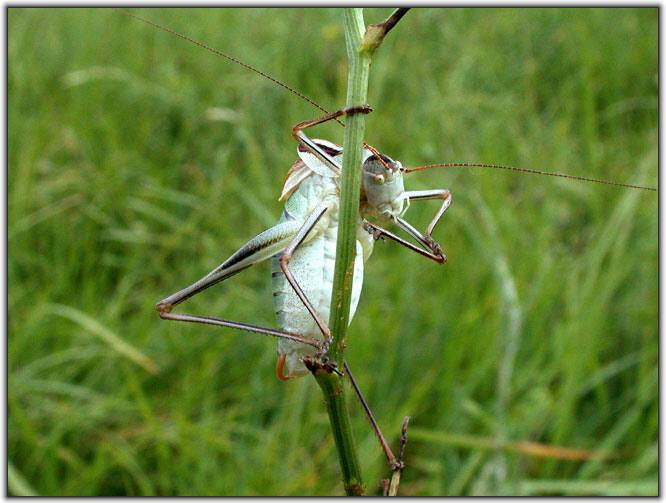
[[312, 265]]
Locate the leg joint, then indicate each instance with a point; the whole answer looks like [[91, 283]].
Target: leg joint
[[284, 259], [163, 308], [358, 109]]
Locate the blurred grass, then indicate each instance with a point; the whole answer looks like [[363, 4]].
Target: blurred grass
[[138, 162]]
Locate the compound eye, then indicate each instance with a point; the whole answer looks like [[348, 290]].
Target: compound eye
[[372, 165]]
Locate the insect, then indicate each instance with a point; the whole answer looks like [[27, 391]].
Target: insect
[[305, 233], [302, 244]]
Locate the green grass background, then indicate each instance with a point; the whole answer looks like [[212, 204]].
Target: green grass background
[[138, 162]]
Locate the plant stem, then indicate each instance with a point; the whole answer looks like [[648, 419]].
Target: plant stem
[[359, 55], [331, 386], [350, 188], [350, 185]]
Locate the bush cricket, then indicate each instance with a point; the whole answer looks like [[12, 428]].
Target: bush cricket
[[301, 243]]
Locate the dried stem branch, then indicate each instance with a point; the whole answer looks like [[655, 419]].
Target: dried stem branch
[[400, 464], [375, 33]]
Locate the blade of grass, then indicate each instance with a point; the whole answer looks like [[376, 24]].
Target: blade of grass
[[521, 447], [99, 330], [588, 488], [17, 485]]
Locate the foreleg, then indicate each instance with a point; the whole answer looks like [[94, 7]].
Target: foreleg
[[429, 247]]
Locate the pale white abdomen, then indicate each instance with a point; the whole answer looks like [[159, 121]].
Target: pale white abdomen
[[313, 265]]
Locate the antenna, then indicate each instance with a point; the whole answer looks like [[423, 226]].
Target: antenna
[[322, 109], [229, 58], [528, 171]]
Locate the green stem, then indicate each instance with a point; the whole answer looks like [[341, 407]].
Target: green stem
[[359, 53], [350, 189], [350, 185], [334, 393]]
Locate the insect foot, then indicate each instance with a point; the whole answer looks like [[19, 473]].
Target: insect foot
[[436, 249], [322, 357], [359, 109], [374, 232], [317, 362], [398, 464], [325, 346]]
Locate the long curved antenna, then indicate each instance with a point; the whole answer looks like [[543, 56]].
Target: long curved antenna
[[229, 58], [529, 171], [319, 107]]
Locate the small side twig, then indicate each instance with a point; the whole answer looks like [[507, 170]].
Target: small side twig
[[403, 438], [400, 464], [375, 33]]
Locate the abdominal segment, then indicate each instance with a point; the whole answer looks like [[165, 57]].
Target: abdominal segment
[[312, 266]]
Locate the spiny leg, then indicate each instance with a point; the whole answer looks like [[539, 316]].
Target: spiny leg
[[390, 457], [258, 249], [429, 247], [379, 232], [208, 320], [396, 464], [284, 259], [425, 195]]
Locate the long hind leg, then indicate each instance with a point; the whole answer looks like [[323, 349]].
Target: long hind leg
[[258, 249]]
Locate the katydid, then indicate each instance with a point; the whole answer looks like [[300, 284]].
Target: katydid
[[302, 248], [301, 245]]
